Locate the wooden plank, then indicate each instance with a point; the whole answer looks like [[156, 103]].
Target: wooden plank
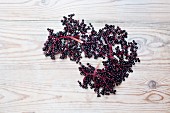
[[145, 11], [31, 83]]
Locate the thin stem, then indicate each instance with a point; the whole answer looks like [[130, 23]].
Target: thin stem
[[110, 48], [94, 73], [71, 38]]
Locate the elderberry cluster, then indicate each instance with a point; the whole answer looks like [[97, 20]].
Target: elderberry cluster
[[108, 43]]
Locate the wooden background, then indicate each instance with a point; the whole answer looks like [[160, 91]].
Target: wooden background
[[31, 83]]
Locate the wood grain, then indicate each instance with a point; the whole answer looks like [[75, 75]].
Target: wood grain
[[31, 83]]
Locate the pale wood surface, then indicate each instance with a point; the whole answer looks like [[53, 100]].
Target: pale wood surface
[[31, 83]]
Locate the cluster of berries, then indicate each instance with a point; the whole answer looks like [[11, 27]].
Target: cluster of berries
[[108, 43]]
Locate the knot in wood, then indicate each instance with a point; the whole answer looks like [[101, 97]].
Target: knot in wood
[[152, 84]]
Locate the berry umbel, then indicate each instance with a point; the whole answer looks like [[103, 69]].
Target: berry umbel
[[108, 43]]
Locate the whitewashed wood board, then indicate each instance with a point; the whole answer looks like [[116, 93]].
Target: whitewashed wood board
[[32, 83]]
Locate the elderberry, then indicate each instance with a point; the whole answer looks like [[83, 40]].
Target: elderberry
[[108, 43]]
